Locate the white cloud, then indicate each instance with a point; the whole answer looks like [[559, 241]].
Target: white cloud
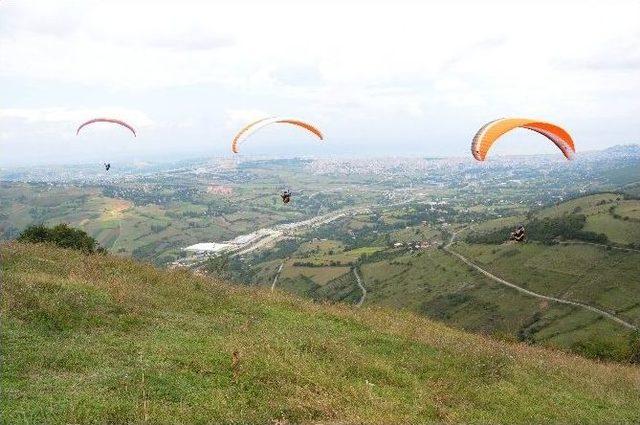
[[237, 118], [74, 116]]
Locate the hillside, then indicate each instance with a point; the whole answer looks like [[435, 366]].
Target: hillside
[[434, 283], [103, 339]]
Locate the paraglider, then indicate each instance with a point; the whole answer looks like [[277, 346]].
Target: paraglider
[[490, 132], [257, 125], [286, 196], [518, 234], [107, 166], [111, 120]]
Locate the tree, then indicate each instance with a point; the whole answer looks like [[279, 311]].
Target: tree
[[63, 236]]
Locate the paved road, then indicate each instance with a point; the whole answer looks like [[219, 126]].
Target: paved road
[[531, 293]]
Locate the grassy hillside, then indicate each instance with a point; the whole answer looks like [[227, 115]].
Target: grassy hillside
[[103, 339], [607, 213], [431, 282], [608, 279]]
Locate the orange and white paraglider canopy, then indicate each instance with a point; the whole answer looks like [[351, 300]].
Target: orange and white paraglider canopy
[[257, 125], [490, 132]]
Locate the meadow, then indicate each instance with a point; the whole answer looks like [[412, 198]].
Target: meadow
[[105, 339]]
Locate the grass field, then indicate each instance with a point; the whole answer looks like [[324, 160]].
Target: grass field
[[150, 231], [618, 231], [599, 210], [587, 205], [106, 340], [605, 278], [320, 275]]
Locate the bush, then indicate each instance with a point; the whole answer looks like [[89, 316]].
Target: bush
[[602, 348], [61, 235]]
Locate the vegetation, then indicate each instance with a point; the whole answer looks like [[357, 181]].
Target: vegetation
[[606, 279], [433, 283], [101, 339], [547, 230], [61, 235]]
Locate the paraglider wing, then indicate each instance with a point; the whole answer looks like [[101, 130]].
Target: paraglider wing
[[257, 125], [111, 120], [490, 132]]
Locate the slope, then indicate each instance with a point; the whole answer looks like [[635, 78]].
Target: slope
[[103, 339]]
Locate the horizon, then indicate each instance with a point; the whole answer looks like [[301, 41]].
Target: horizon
[[141, 164]]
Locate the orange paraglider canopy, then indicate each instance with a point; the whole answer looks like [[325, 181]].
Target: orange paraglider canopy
[[490, 132], [257, 125]]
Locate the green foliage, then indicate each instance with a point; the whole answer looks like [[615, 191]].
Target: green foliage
[[604, 348], [546, 230], [218, 266], [61, 235], [527, 331], [282, 249]]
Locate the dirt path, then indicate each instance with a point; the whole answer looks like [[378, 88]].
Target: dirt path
[[275, 279], [531, 293], [362, 288]]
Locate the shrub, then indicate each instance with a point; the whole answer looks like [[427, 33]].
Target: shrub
[[61, 235]]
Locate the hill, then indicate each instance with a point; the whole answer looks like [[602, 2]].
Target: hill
[[103, 339], [432, 282]]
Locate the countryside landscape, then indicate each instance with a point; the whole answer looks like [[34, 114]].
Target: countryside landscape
[[304, 212], [390, 222]]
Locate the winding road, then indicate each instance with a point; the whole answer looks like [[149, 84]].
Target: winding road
[[362, 288], [531, 293]]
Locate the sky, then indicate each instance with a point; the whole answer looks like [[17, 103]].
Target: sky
[[386, 78]]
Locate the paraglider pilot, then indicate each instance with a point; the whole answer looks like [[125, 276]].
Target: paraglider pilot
[[518, 235], [286, 196], [107, 166]]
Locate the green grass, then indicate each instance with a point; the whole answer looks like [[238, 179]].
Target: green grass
[[588, 205], [618, 231], [436, 284], [320, 275], [600, 218], [339, 257], [106, 340], [607, 279]]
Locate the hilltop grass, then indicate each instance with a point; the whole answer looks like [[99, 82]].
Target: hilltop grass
[[105, 340], [590, 274], [599, 210]]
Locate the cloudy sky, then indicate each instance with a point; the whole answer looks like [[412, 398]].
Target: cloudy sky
[[380, 78]]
